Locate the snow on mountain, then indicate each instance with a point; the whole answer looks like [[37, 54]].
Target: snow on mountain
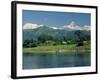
[[73, 26], [31, 26], [34, 26], [86, 27], [54, 27]]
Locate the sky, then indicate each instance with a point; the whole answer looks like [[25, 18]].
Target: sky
[[55, 19]]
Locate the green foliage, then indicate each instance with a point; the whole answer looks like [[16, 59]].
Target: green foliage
[[79, 44], [47, 33], [45, 36], [52, 48], [30, 43]]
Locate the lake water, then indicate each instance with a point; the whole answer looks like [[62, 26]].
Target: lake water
[[57, 60]]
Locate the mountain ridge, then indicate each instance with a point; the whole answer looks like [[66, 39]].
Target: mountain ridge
[[57, 34], [71, 27]]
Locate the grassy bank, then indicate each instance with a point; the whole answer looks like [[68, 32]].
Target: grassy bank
[[57, 48]]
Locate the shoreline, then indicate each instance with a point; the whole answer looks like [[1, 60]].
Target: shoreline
[[60, 51], [57, 49]]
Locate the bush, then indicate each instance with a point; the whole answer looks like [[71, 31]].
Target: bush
[[54, 44], [80, 44], [29, 43], [34, 44]]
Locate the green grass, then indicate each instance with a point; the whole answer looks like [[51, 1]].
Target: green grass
[[62, 48]]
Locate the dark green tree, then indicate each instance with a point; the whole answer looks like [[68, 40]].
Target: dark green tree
[[43, 38]]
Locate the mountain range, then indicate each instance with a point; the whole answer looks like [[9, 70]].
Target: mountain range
[[71, 26], [33, 31]]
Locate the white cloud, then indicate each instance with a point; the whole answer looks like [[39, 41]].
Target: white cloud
[[71, 26], [31, 26]]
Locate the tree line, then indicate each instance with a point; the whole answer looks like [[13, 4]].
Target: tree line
[[49, 40]]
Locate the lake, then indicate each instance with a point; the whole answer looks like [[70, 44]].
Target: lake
[[56, 60]]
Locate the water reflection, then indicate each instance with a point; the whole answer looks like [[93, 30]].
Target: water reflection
[[47, 60]]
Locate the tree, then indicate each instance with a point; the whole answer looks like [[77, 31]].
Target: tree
[[43, 38], [26, 43], [33, 44], [79, 44], [29, 43]]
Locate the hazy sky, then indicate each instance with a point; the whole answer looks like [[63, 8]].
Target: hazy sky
[[55, 19]]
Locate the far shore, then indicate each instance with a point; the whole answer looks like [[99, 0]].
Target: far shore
[[57, 49], [60, 51]]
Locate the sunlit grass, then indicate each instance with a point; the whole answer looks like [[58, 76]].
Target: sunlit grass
[[51, 48]]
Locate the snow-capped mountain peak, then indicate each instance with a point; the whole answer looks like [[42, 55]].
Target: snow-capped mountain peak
[[73, 26]]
